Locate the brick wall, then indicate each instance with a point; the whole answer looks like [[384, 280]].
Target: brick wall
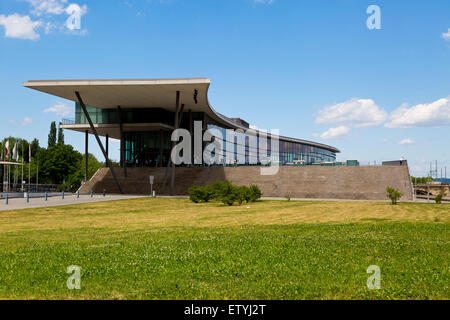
[[368, 182]]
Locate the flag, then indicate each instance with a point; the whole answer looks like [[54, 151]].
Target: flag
[[29, 153], [15, 154], [6, 150]]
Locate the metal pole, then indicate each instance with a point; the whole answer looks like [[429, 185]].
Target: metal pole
[[37, 173], [122, 143], [86, 152], [107, 145], [192, 135], [98, 141], [172, 178], [160, 148], [21, 181], [29, 170]]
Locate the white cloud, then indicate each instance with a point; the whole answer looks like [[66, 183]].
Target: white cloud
[[20, 27], [23, 27], [61, 109], [406, 141], [435, 114], [40, 7], [446, 35], [49, 27], [354, 112], [334, 133], [27, 121]]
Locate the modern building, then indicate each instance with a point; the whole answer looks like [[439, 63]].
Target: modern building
[[142, 114]]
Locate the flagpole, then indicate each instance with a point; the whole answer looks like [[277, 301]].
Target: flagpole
[[37, 173], [21, 181], [29, 168]]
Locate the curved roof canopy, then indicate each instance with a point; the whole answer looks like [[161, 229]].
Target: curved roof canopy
[[145, 93]]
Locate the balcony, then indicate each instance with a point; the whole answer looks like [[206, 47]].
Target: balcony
[[68, 121]]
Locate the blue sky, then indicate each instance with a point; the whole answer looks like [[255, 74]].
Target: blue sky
[[312, 69]]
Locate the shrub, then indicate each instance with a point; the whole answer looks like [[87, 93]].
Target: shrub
[[393, 194], [439, 197], [255, 193], [288, 197], [247, 194], [225, 192], [243, 193], [195, 193], [200, 193]]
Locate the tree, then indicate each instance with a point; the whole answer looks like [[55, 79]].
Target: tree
[[58, 163], [439, 197], [52, 135], [60, 135], [393, 194], [35, 148]]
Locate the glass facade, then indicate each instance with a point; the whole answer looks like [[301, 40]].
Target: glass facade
[[147, 149], [152, 148], [234, 147]]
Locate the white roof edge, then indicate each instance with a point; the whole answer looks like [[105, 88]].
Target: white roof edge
[[115, 82]]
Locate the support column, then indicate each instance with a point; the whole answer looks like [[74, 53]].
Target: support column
[[88, 117], [122, 143], [177, 105], [107, 146], [172, 177], [161, 141], [191, 131], [86, 155]]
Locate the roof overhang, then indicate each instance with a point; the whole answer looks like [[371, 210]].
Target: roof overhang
[[7, 163], [145, 93], [113, 130]]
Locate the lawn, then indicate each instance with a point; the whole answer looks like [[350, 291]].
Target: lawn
[[174, 249]]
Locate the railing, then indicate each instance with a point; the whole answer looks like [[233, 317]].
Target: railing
[[68, 121]]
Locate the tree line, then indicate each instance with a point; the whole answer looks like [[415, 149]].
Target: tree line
[[58, 163]]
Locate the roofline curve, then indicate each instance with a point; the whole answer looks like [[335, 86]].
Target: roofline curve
[[225, 120]]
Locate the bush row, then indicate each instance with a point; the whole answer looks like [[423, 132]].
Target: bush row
[[225, 192]]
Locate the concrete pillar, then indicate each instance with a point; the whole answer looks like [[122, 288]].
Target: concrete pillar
[[107, 148], [86, 152]]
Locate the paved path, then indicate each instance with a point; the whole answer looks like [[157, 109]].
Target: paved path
[[16, 204], [21, 203]]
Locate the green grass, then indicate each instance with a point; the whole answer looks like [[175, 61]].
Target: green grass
[[273, 250]]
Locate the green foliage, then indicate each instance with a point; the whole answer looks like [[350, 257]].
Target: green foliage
[[200, 193], [58, 163], [242, 193], [421, 179], [439, 197], [225, 192], [393, 194], [60, 135], [288, 197], [22, 146], [75, 179], [255, 192], [52, 135]]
